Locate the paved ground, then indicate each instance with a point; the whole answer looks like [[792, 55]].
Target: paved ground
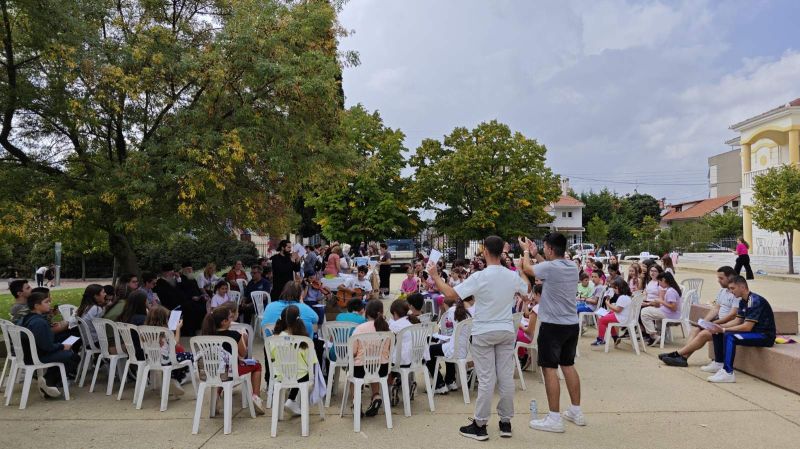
[[630, 401]]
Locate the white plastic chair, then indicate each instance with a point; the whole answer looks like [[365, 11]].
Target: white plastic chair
[[102, 326], [89, 349], [260, 299], [285, 366], [375, 345], [517, 318], [425, 318], [11, 360], [336, 334], [428, 305], [693, 284], [150, 338], [420, 342], [583, 316], [632, 324], [126, 332], [250, 336], [15, 333], [220, 369], [235, 297], [533, 351], [67, 311], [683, 321], [461, 334]]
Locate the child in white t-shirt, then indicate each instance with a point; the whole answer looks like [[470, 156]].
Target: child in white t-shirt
[[447, 349]]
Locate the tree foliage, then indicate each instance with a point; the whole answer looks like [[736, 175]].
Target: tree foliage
[[597, 231], [484, 181], [141, 118], [368, 200], [776, 203], [728, 224]]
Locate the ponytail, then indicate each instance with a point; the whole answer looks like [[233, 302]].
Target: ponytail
[[461, 313], [374, 311], [214, 319]]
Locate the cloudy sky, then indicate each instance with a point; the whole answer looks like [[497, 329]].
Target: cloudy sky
[[624, 94]]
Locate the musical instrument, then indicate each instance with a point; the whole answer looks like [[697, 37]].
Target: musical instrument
[[343, 296], [317, 285]]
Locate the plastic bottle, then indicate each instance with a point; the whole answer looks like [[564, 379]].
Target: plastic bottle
[[534, 411]]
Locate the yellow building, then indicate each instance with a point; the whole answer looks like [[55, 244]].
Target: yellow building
[[767, 140]]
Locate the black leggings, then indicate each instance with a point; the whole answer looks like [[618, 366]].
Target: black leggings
[[449, 368], [293, 392], [744, 261]]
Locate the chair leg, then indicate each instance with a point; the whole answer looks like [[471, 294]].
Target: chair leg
[[386, 405], [405, 384], [144, 375], [641, 337], [96, 370], [304, 410], [5, 367], [357, 389], [248, 386], [634, 340], [329, 387], [519, 371], [429, 389], [123, 380], [463, 380], [608, 337], [663, 334], [166, 377], [228, 413], [85, 370], [112, 371], [198, 408], [276, 410], [345, 397], [64, 380], [26, 389], [12, 378]]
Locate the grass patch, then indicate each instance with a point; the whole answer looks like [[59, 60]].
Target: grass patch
[[66, 296]]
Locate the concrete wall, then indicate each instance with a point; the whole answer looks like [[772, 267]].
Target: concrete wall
[[770, 264], [729, 173]]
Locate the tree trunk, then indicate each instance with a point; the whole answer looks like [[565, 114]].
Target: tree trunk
[[123, 252], [790, 242]]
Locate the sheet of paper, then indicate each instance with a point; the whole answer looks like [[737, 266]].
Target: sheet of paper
[[174, 317], [441, 337], [708, 325], [601, 311], [70, 340], [435, 256], [299, 249]]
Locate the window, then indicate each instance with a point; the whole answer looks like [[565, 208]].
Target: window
[[735, 203], [569, 214], [713, 192], [712, 174], [563, 215]]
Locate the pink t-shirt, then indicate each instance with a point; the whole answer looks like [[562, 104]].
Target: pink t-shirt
[[672, 297], [332, 267], [358, 350], [409, 285], [741, 249]]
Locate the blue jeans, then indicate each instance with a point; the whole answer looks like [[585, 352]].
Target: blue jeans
[[582, 307], [725, 345]]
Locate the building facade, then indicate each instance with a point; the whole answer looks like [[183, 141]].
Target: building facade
[[767, 140], [699, 209], [725, 174], [567, 215]]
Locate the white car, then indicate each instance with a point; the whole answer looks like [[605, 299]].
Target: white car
[[581, 249]]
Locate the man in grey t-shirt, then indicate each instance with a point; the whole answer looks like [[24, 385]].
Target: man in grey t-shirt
[[558, 332]]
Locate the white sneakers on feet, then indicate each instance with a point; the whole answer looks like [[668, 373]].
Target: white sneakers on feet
[[574, 417], [452, 387], [441, 390], [293, 406], [46, 390], [712, 367], [548, 424], [258, 405], [722, 376]]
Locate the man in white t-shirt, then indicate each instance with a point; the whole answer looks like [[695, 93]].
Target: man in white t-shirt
[[558, 331], [493, 334], [724, 310], [40, 276]]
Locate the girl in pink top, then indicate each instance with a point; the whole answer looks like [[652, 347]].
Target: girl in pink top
[[410, 283], [375, 323], [332, 267], [743, 258]]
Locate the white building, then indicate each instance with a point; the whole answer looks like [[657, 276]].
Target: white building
[[567, 215]]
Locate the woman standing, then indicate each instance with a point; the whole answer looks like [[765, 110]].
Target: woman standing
[[743, 258], [385, 270]]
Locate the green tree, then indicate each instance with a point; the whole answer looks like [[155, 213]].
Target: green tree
[[597, 231], [640, 205], [141, 118], [602, 204], [776, 203], [368, 200], [646, 234], [483, 181], [728, 224]]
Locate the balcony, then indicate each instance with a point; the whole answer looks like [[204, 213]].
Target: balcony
[[748, 179]]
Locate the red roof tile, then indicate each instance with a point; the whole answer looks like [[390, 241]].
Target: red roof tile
[[699, 210], [568, 201]]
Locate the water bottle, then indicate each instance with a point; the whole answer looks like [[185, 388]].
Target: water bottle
[[534, 411]]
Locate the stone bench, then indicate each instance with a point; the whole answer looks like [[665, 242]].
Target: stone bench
[[785, 320]]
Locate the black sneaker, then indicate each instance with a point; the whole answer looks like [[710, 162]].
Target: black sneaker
[[474, 431], [668, 354], [394, 394], [374, 407], [676, 361], [505, 429]]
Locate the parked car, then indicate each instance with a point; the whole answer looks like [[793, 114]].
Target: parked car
[[580, 249]]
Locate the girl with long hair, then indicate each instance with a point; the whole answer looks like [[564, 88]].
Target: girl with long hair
[[667, 307], [618, 311], [376, 322], [743, 258], [291, 324], [447, 349]]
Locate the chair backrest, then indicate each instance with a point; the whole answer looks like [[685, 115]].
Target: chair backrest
[[686, 303], [103, 327], [260, 299], [425, 318], [337, 333], [67, 311], [15, 333], [517, 317], [693, 284], [6, 339], [636, 307], [235, 297], [285, 352], [126, 333], [374, 345], [420, 340], [150, 339], [461, 334], [219, 365], [250, 335], [242, 284], [427, 306], [86, 335]]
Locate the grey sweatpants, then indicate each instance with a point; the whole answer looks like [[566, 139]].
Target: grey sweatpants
[[493, 355]]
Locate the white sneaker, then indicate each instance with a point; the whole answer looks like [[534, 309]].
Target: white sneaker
[[258, 405], [441, 390], [46, 390], [712, 367], [576, 418], [175, 389], [293, 406], [452, 387], [722, 376], [548, 424]]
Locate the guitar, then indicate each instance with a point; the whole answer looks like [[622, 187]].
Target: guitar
[[343, 296]]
